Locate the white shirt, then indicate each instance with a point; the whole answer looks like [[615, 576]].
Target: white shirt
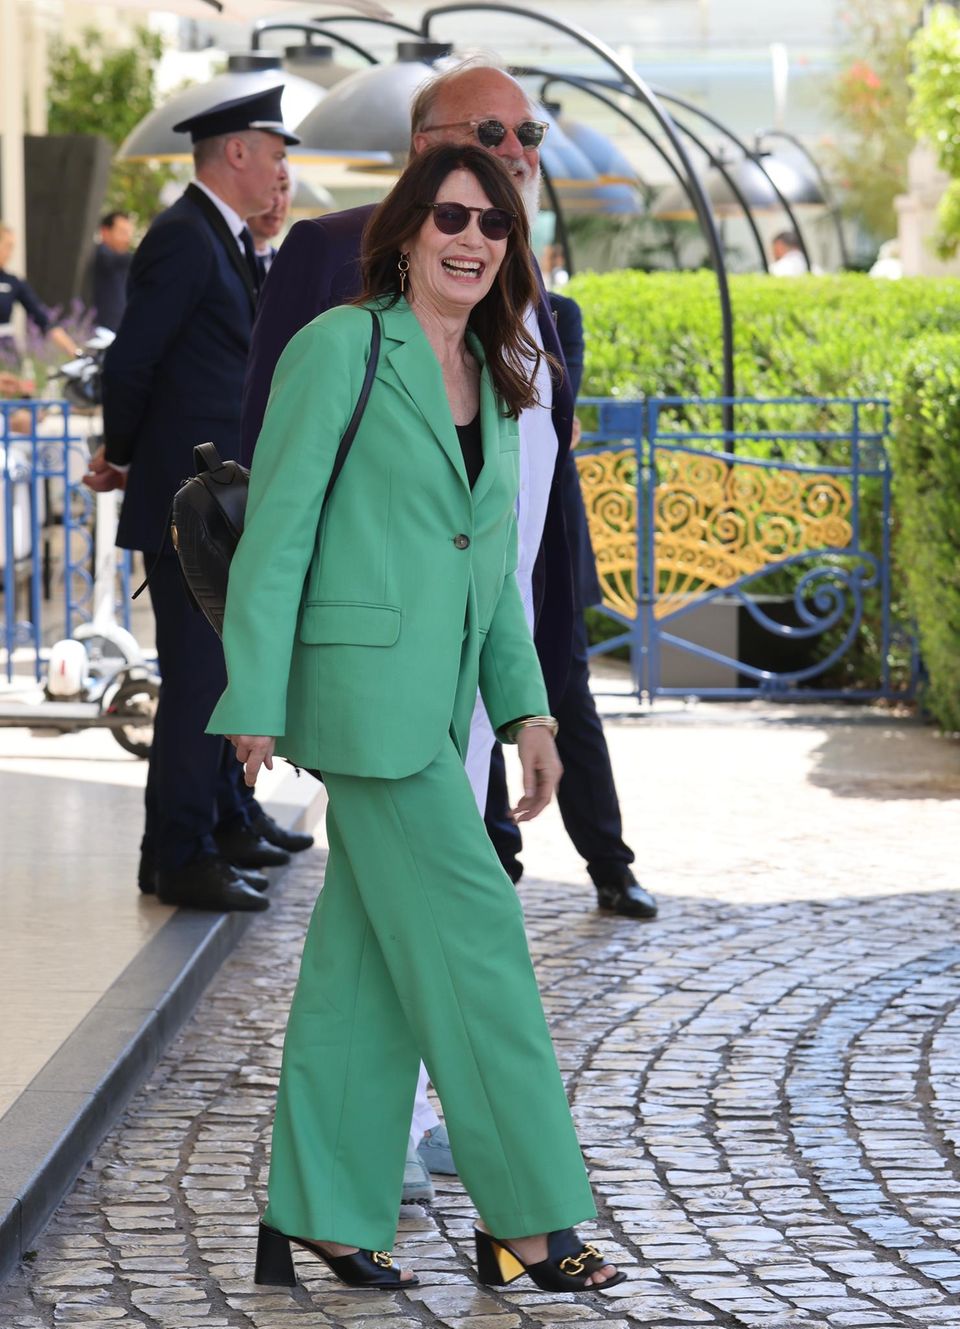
[[790, 264], [233, 219], [538, 460]]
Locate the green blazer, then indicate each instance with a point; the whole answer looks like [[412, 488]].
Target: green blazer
[[359, 643]]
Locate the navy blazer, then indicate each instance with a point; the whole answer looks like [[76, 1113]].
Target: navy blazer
[[317, 266], [586, 584], [174, 375]]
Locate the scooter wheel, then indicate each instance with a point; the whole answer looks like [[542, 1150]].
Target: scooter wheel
[[138, 699]]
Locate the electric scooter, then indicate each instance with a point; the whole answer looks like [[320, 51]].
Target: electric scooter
[[99, 677]]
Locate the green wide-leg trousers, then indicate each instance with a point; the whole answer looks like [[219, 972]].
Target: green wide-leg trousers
[[417, 949]]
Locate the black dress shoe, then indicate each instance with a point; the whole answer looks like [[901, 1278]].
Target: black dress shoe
[[208, 883], [147, 876], [619, 892], [294, 842], [244, 848]]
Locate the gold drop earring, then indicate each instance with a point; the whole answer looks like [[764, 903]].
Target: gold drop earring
[[403, 267]]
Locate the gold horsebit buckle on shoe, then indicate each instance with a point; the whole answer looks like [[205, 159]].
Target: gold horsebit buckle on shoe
[[382, 1258], [575, 1264]]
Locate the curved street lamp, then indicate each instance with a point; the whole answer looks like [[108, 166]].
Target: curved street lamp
[[369, 112], [154, 138], [728, 133], [314, 29], [683, 187]]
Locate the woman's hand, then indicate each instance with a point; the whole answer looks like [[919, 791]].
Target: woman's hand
[[254, 750], [541, 771]]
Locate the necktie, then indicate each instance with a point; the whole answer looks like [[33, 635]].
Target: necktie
[[261, 270], [246, 239]]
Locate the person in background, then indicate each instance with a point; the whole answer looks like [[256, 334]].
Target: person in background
[[106, 287], [888, 264], [788, 259], [266, 226], [15, 290], [173, 378], [587, 795]]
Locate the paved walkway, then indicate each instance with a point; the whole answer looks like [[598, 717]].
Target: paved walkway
[[766, 1079]]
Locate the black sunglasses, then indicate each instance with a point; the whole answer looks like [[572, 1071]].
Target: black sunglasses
[[491, 133], [452, 218]]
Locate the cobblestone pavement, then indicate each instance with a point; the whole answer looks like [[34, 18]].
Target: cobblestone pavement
[[766, 1080]]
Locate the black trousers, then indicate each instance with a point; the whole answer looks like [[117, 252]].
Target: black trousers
[[587, 795], [194, 782]]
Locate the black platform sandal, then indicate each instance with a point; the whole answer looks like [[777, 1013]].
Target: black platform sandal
[[361, 1269], [569, 1263]]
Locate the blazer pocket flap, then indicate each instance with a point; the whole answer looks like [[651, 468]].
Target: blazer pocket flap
[[346, 623]]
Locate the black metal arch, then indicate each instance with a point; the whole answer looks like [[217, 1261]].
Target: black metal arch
[[585, 85]]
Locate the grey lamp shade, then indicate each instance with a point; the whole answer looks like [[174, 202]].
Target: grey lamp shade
[[796, 186], [315, 61], [605, 158], [369, 112], [154, 139], [611, 188], [799, 189]]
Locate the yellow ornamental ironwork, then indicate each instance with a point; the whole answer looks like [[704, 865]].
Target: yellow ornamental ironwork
[[713, 522]]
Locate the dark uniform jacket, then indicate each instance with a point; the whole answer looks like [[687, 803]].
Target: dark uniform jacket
[[318, 267], [174, 376], [14, 290]]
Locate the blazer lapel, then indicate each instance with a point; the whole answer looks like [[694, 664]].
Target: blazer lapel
[[223, 233], [418, 370]]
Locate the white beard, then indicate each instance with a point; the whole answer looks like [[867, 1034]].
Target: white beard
[[529, 189]]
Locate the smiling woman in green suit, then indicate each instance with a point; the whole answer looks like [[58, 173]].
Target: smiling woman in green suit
[[354, 646]]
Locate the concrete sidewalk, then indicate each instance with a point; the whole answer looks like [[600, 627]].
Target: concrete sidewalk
[[95, 979]]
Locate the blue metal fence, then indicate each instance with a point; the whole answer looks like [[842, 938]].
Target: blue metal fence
[[687, 519], [783, 524], [47, 591]]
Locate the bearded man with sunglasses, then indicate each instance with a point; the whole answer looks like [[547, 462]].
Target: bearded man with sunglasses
[[318, 267]]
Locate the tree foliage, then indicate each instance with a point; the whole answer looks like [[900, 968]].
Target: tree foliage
[[871, 100], [99, 88], [935, 112]]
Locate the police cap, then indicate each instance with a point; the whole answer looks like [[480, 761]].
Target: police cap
[[259, 110]]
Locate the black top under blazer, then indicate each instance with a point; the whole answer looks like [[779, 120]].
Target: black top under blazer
[[174, 375]]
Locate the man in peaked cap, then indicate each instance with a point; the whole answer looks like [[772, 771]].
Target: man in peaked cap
[[174, 378]]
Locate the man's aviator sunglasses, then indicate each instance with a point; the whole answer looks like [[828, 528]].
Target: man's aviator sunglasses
[[491, 133], [452, 218]]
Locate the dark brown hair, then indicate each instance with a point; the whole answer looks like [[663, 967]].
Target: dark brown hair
[[497, 320]]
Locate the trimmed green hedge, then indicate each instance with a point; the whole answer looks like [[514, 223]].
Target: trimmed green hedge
[[658, 334], [927, 489]]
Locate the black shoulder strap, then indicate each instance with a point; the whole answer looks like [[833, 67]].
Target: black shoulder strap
[[351, 429], [206, 457]]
